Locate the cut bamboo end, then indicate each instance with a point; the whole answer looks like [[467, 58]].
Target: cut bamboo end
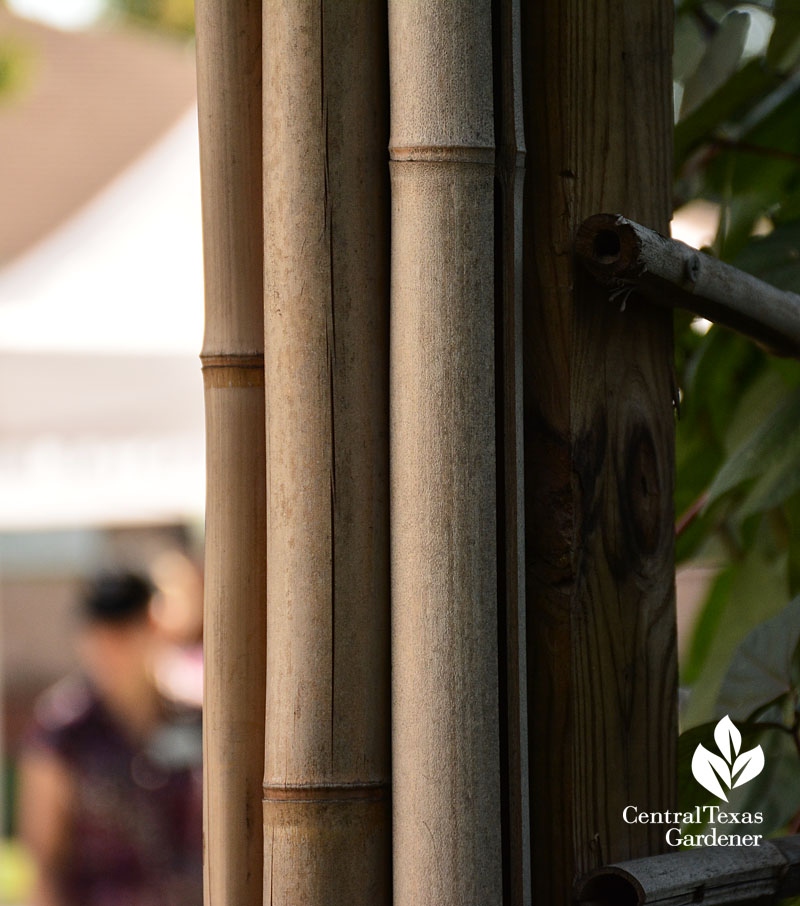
[[719, 874], [626, 255]]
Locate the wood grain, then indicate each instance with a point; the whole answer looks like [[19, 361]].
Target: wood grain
[[229, 102], [326, 199], [599, 442]]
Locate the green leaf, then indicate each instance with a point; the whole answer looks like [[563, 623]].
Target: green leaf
[[706, 627], [764, 449], [761, 670], [776, 257], [764, 393], [776, 790], [736, 97], [784, 46], [689, 48], [719, 62], [778, 483], [754, 589]]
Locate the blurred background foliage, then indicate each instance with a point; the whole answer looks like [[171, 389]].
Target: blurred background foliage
[[16, 62], [175, 16], [737, 146]]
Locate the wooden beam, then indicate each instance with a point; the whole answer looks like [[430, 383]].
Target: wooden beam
[[599, 423], [626, 256]]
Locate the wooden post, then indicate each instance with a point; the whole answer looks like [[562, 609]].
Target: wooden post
[[599, 442], [229, 101], [446, 760], [326, 796], [511, 482]]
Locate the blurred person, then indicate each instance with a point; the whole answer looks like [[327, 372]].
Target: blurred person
[[110, 775], [177, 609]]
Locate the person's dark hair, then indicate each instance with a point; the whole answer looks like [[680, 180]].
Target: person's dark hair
[[118, 597]]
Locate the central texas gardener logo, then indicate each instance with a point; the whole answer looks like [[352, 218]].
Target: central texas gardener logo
[[731, 768]]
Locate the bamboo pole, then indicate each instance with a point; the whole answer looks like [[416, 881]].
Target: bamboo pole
[[627, 256], [326, 805], [446, 785], [511, 483], [599, 423], [229, 103], [721, 875]]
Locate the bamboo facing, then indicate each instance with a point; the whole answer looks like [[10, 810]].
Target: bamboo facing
[[602, 681], [446, 760], [229, 102], [326, 760]]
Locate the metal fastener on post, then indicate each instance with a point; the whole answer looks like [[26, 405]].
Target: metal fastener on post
[[625, 255]]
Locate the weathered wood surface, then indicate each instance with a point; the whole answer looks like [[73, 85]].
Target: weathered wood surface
[[712, 875], [598, 442], [511, 482], [446, 759], [625, 255], [229, 102], [327, 754]]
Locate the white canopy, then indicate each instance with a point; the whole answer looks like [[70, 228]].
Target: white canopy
[[101, 417]]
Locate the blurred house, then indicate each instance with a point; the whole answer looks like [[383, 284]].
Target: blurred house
[[101, 419]]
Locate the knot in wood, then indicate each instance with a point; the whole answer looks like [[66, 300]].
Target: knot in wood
[[641, 493]]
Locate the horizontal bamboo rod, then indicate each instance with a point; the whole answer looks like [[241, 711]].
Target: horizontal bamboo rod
[[625, 254], [709, 875]]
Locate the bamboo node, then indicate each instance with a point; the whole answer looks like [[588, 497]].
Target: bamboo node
[[444, 154], [231, 361], [329, 792]]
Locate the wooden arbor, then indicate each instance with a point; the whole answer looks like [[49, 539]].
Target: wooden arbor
[[490, 476]]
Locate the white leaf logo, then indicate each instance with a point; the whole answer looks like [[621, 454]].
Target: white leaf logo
[[751, 764], [732, 768], [727, 737]]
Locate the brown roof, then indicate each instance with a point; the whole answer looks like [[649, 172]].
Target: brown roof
[[93, 102]]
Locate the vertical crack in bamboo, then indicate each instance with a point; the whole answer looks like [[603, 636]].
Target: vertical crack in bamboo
[[229, 106], [326, 756], [445, 739], [511, 494], [599, 441]]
